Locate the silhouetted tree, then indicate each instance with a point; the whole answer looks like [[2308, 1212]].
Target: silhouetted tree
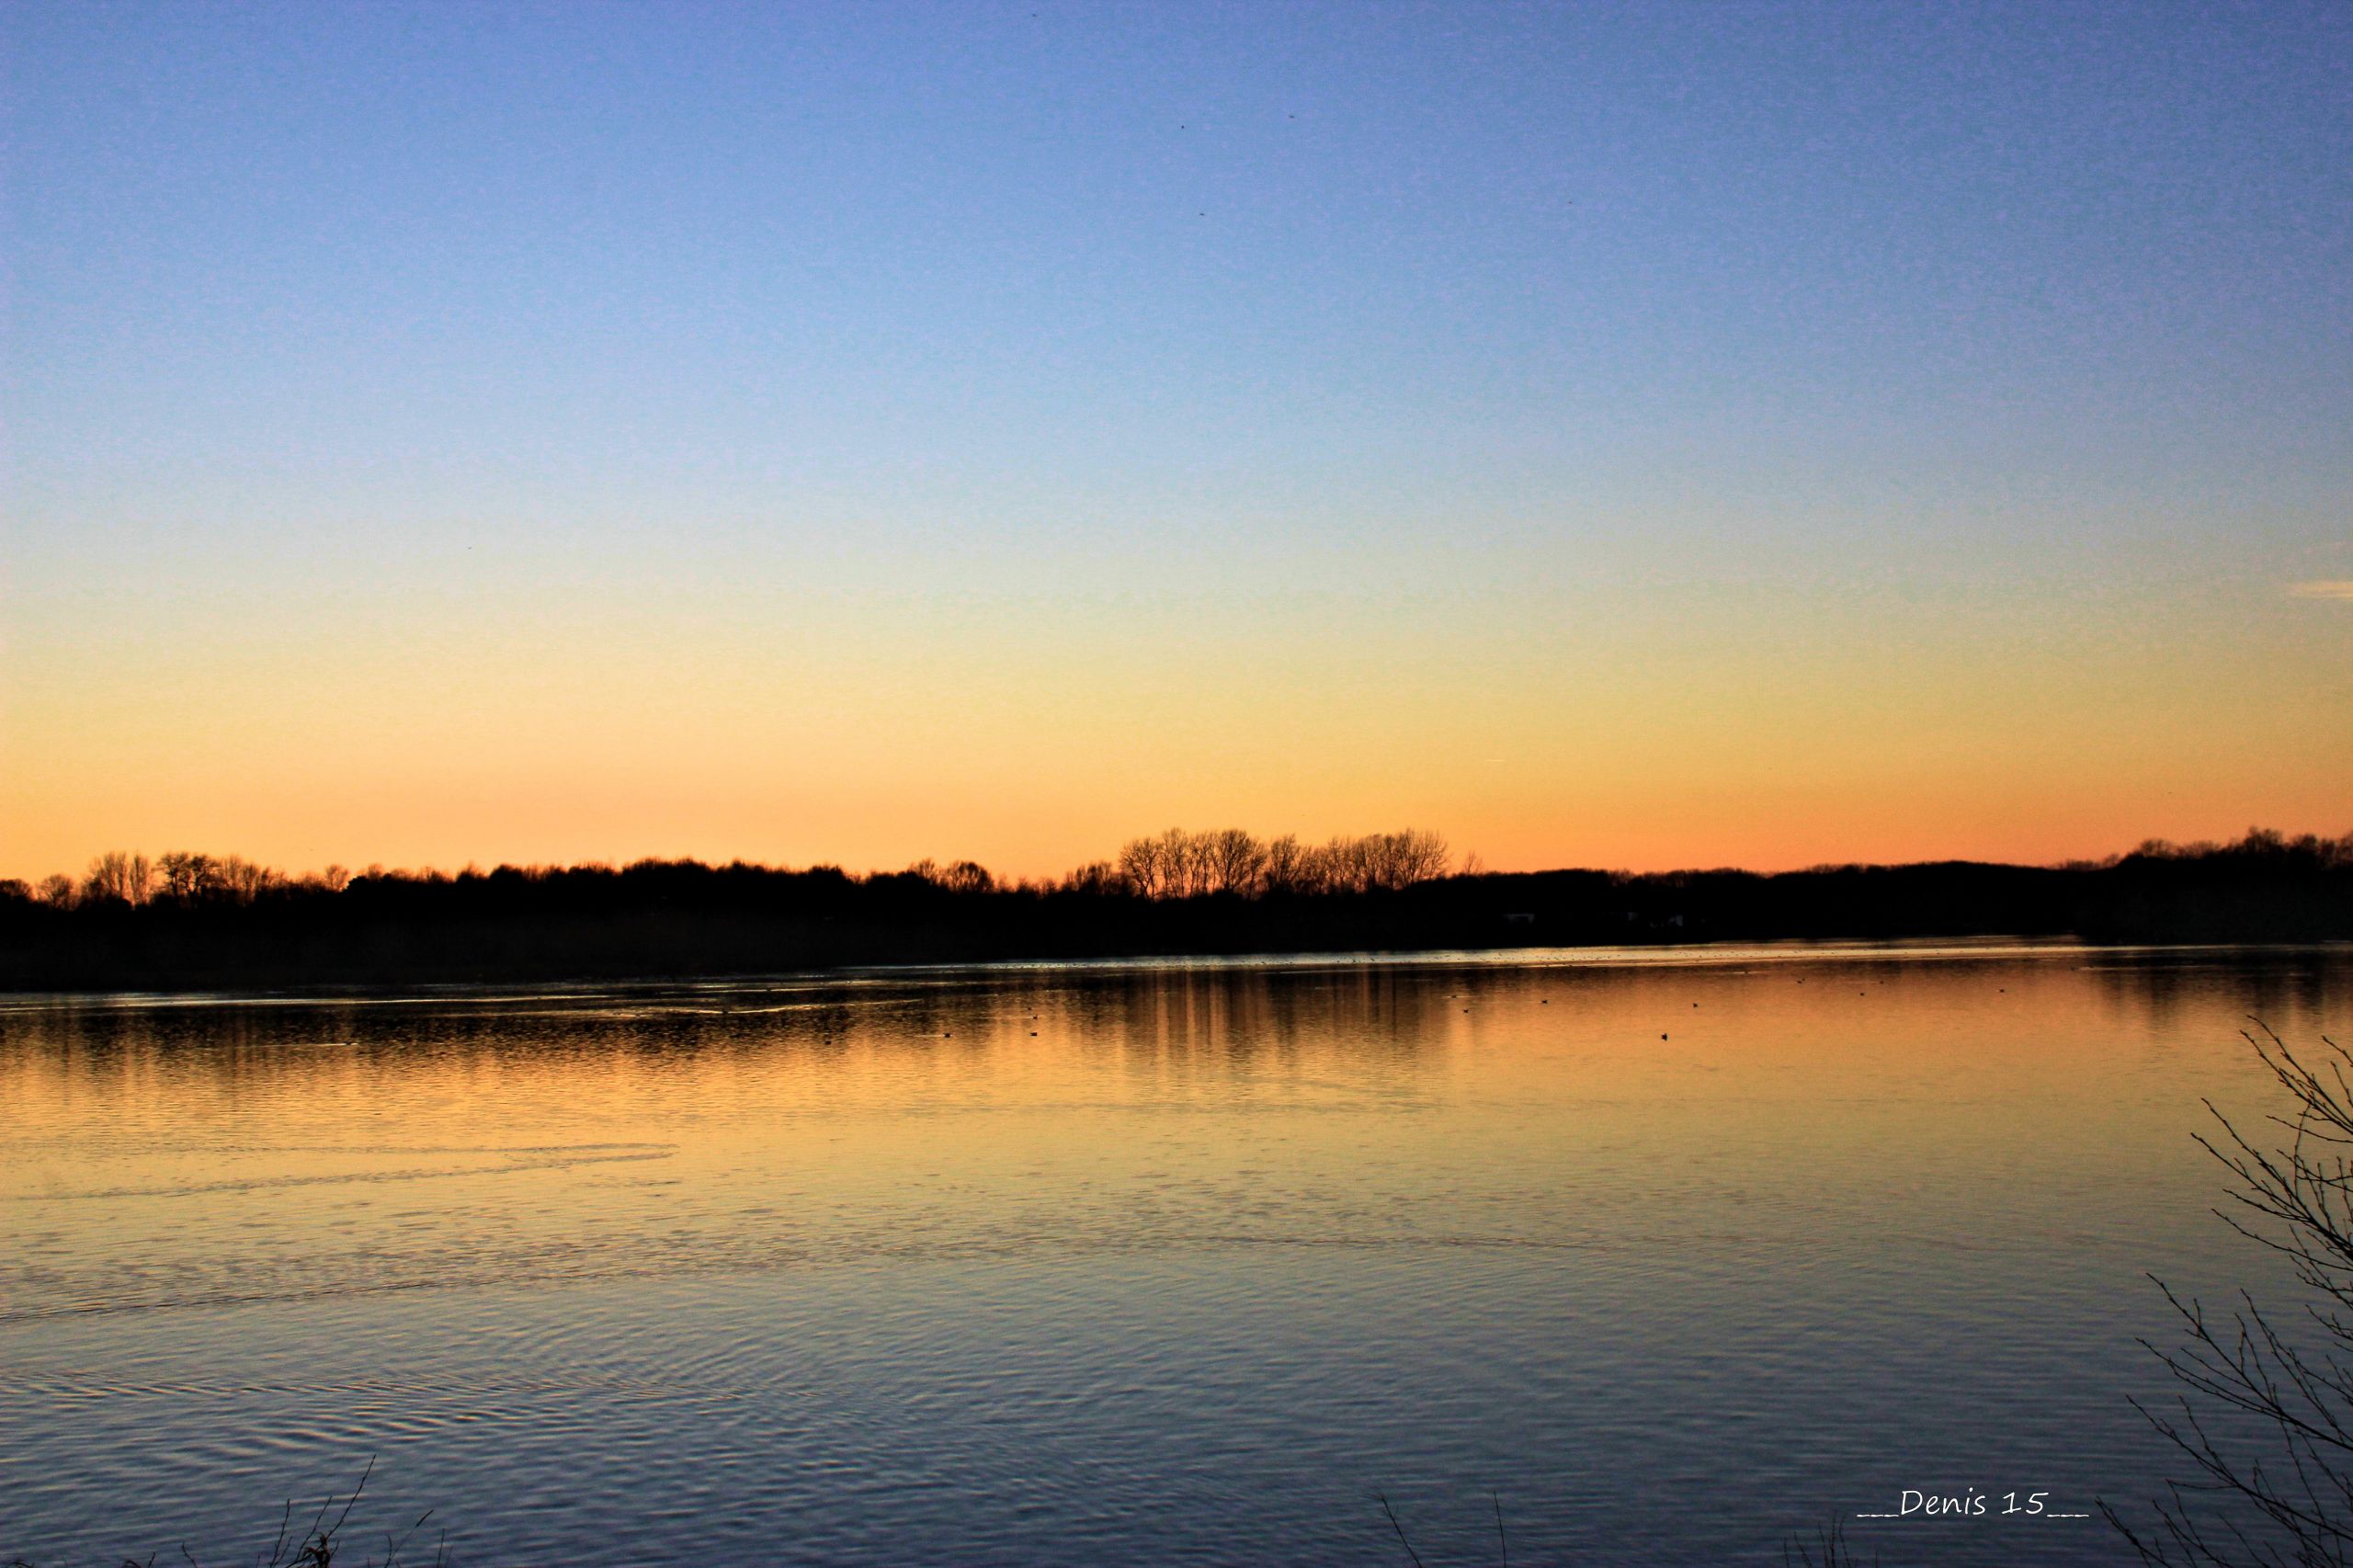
[[120, 876], [967, 876], [1290, 867], [1177, 864], [2264, 1410], [1233, 862], [1158, 868], [1400, 860], [184, 876], [1097, 878]]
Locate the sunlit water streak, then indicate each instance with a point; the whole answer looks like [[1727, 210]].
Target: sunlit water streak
[[1675, 1252]]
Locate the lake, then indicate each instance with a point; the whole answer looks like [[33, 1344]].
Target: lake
[[1665, 1254]]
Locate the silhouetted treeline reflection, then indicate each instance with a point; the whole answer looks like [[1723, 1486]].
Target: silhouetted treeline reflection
[[192, 919], [1203, 1020]]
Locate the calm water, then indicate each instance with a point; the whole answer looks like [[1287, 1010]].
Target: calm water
[[1673, 1254]]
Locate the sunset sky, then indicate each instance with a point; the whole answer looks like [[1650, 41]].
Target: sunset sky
[[1638, 436]]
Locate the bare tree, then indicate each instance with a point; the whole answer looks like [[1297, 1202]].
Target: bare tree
[[184, 876], [117, 874], [967, 876], [1234, 862], [2263, 1410], [1289, 867], [1186, 857], [1383, 862], [244, 880], [1393, 860], [1178, 864], [1143, 866], [1175, 864], [1342, 862]]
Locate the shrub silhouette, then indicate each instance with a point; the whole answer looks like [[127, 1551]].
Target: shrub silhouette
[[2263, 1410]]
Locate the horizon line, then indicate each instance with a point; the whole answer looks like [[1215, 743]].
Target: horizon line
[[1467, 864]]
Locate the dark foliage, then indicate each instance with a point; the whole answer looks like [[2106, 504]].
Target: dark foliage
[[204, 927]]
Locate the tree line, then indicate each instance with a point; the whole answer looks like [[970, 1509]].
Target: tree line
[[1174, 864], [179, 876], [1177, 864], [187, 918]]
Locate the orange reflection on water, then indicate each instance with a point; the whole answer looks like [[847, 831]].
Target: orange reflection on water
[[182, 1154]]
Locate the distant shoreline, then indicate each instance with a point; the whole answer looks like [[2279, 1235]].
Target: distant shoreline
[[685, 920]]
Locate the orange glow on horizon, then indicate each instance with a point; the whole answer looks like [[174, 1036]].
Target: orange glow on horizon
[[1036, 731]]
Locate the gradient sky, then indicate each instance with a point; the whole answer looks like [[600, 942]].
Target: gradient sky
[[1640, 436]]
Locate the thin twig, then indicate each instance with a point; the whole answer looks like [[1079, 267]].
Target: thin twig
[[1399, 1528]]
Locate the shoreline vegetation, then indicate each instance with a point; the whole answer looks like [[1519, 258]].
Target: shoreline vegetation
[[187, 919]]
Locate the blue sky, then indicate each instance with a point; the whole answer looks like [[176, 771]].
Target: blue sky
[[1130, 319]]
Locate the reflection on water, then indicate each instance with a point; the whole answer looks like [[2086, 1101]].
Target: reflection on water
[[1675, 1251]]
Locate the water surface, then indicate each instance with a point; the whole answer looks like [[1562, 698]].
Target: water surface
[[1670, 1253]]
